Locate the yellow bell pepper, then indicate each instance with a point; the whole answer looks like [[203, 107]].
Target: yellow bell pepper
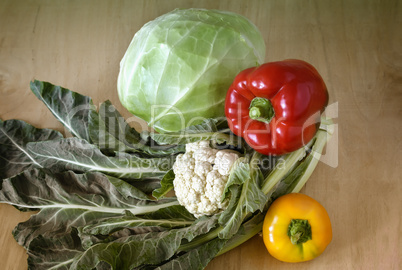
[[296, 228]]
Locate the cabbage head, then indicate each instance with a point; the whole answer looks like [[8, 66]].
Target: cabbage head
[[178, 67]]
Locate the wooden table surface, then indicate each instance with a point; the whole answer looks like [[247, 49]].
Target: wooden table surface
[[355, 45]]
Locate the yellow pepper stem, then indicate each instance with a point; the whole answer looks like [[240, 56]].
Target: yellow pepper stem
[[299, 231]]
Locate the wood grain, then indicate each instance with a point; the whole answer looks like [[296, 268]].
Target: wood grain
[[355, 45]]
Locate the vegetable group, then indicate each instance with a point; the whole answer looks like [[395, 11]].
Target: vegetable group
[[101, 195], [277, 106], [91, 191], [179, 66], [296, 228]]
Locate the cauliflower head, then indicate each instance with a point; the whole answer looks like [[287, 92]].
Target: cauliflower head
[[200, 177]]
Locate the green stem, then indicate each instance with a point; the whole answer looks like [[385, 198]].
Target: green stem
[[282, 168], [299, 231], [261, 109], [240, 239], [200, 240], [322, 137]]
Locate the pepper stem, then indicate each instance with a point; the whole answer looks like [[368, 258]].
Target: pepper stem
[[261, 109], [299, 231]]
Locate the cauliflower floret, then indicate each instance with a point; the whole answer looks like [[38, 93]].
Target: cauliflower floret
[[224, 161], [215, 187], [202, 168], [192, 147], [200, 177], [205, 154]]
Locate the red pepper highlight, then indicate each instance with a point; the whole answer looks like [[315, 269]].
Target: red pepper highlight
[[276, 107]]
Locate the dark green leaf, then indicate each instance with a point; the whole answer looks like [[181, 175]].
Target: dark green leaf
[[55, 222], [244, 184], [173, 212], [54, 252], [149, 248], [108, 225], [166, 185], [109, 229], [196, 259], [70, 108], [70, 199], [110, 131], [208, 130], [36, 189], [246, 231], [78, 155], [151, 184], [14, 136]]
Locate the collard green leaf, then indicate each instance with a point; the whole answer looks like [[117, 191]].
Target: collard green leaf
[[244, 183], [36, 189], [197, 258], [69, 199], [136, 250], [209, 129], [246, 231], [54, 253], [152, 184], [14, 136], [78, 155], [70, 108], [139, 249], [55, 222], [111, 133], [172, 212], [107, 128], [170, 217], [109, 229], [166, 185], [239, 174]]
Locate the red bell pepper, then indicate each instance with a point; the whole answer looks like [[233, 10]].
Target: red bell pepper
[[276, 107]]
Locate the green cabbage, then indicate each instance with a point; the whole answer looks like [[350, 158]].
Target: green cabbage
[[178, 67]]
